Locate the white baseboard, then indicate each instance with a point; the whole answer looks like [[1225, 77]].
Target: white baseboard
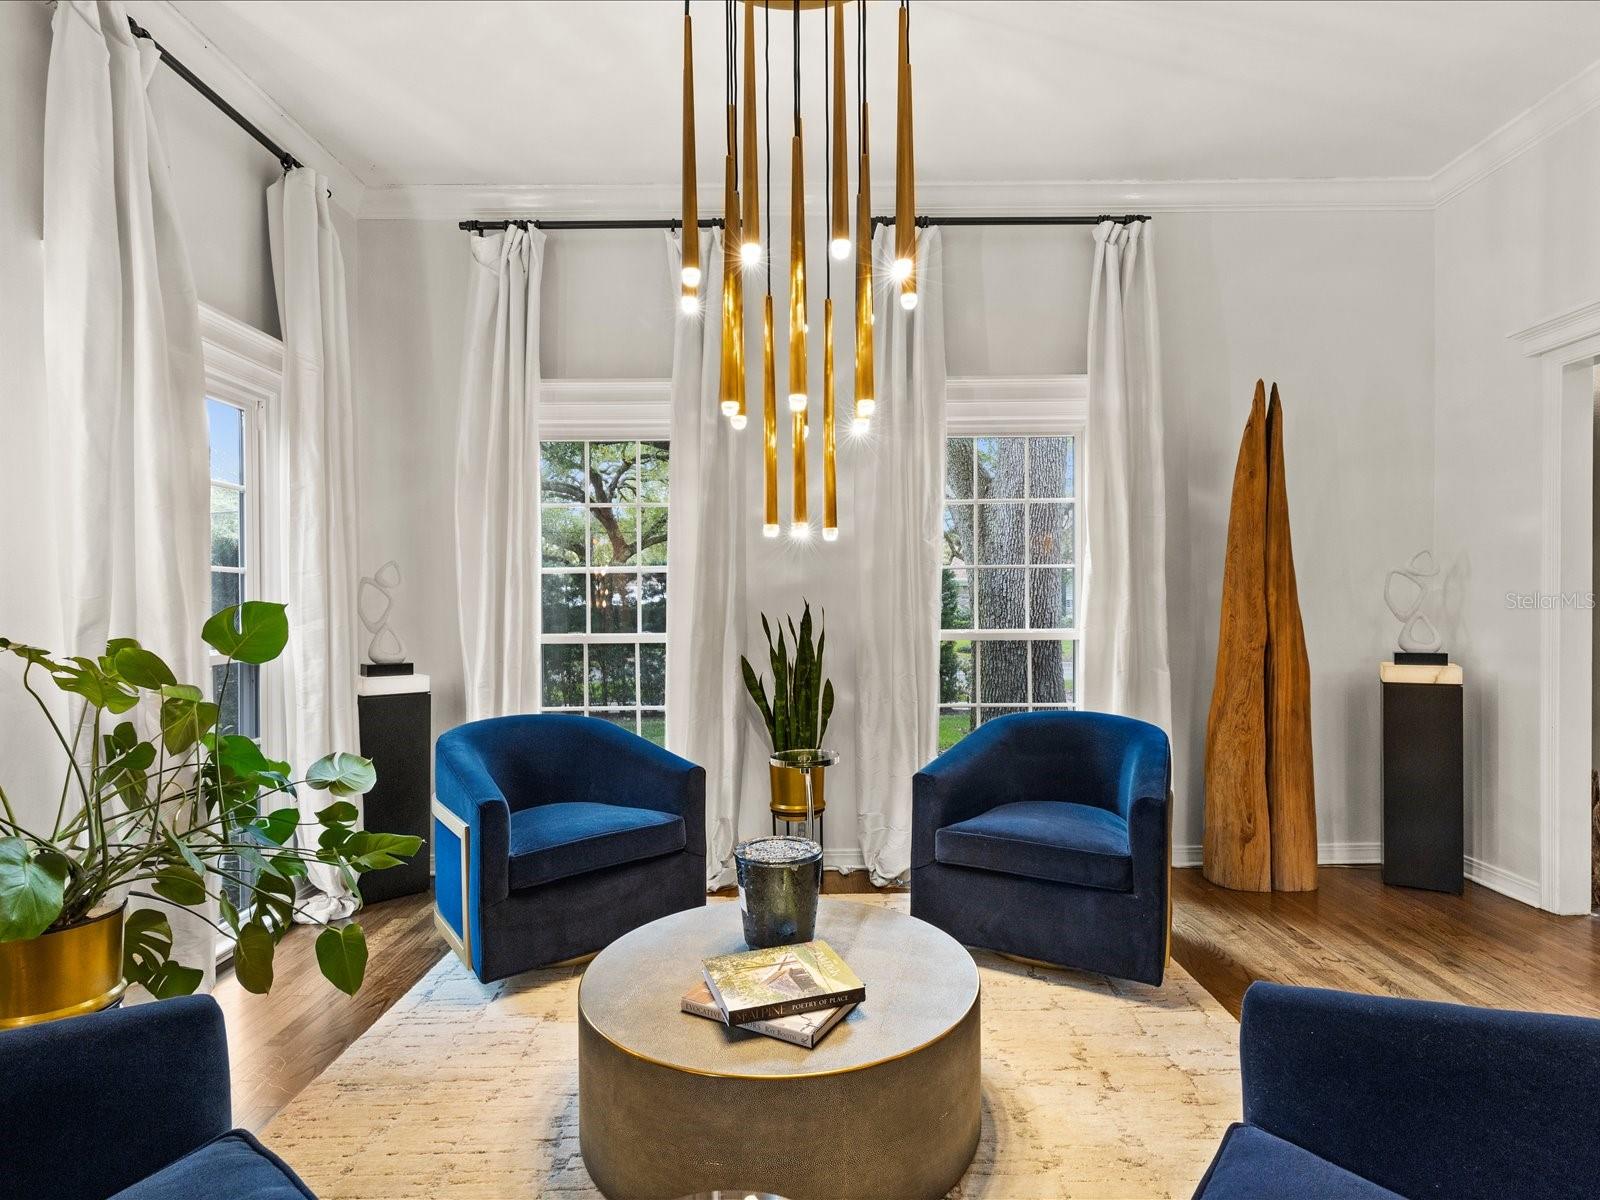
[[1329, 854], [844, 860], [1348, 854], [1505, 882]]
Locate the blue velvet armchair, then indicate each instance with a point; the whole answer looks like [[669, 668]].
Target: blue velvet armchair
[[129, 1104], [1369, 1098], [1046, 835], [555, 834]]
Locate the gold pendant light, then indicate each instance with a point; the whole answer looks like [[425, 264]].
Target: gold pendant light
[[905, 200], [689, 301], [769, 422], [865, 402], [799, 518], [839, 234], [728, 386], [743, 247], [830, 465]]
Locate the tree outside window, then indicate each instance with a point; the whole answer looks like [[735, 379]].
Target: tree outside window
[[603, 555], [1008, 590]]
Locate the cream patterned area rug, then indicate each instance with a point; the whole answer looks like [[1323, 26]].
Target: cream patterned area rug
[[1092, 1089]]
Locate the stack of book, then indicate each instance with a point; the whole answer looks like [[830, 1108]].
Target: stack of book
[[792, 993]]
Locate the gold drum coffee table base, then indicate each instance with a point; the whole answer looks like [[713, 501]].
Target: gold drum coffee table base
[[887, 1105]]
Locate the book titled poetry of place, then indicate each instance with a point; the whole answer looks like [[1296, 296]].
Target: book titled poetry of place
[[802, 1029], [782, 981]]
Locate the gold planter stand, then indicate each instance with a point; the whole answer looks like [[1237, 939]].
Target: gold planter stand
[[62, 974], [789, 772], [789, 791]]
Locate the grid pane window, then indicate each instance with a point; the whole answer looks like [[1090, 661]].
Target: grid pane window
[[603, 588], [237, 688], [234, 563], [1009, 589]]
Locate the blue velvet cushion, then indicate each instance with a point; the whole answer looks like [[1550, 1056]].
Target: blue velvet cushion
[[556, 841], [1051, 840], [235, 1166], [1254, 1165]]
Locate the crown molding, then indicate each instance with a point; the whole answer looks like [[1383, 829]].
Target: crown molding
[[179, 35], [1004, 405], [1559, 330], [1572, 100], [605, 408], [241, 353]]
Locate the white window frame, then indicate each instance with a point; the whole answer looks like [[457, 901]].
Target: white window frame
[[1026, 406], [605, 410], [244, 368]]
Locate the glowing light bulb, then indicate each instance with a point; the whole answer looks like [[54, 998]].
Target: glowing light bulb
[[770, 531], [750, 253], [729, 407], [866, 406], [691, 277], [829, 535], [689, 304], [908, 300], [797, 402], [738, 421], [901, 270], [840, 248], [859, 426], [800, 530]]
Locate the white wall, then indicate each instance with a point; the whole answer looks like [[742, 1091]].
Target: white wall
[[1516, 247], [1336, 306], [220, 177]]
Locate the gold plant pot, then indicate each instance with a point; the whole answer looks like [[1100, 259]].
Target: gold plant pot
[[789, 791], [68, 972]]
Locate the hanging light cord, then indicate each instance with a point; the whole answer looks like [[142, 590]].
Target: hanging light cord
[[797, 68], [827, 154]]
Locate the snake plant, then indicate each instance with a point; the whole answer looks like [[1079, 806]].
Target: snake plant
[[802, 700]]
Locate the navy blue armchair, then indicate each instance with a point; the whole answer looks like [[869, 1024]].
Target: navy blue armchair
[[556, 834], [1046, 835], [131, 1103], [1369, 1098]]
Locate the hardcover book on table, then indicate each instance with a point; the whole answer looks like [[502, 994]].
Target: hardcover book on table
[[803, 1029], [782, 981]]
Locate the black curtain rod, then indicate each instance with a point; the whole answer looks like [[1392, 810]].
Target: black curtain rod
[[288, 161], [924, 222], [716, 222], [524, 223]]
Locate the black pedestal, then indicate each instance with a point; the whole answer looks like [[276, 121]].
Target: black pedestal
[[1423, 809], [394, 735]]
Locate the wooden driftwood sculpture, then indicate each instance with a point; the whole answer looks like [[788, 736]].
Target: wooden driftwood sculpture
[[1260, 813]]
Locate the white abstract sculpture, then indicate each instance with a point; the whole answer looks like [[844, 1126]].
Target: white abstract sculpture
[[1417, 632], [373, 602]]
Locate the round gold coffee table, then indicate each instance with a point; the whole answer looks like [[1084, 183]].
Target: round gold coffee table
[[887, 1104]]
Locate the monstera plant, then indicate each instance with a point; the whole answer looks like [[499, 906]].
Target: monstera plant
[[159, 802]]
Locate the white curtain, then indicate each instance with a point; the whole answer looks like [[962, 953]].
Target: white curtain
[[899, 499], [314, 519], [124, 379], [497, 475], [1125, 667], [707, 710]]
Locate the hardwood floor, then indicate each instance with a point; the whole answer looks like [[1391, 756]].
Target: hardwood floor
[[280, 1042], [1355, 934]]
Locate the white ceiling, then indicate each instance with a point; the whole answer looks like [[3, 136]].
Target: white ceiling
[[566, 92]]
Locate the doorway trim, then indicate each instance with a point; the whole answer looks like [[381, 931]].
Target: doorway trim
[[1566, 346]]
